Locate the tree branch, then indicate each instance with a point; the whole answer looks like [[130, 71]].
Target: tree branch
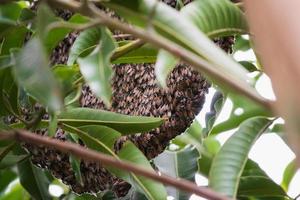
[[90, 155], [187, 56]]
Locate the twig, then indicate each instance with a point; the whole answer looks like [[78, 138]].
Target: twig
[[127, 48], [74, 26], [90, 155], [189, 57]]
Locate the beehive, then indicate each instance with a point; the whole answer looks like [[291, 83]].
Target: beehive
[[135, 92]]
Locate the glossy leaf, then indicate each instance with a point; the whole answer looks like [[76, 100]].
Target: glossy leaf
[[99, 139], [34, 180], [35, 76], [84, 44], [216, 105], [51, 37], [96, 67], [230, 161], [153, 190], [11, 160], [6, 177], [164, 65], [123, 123], [193, 135], [288, 174], [178, 164], [9, 15], [249, 110], [144, 54], [16, 192], [216, 18]]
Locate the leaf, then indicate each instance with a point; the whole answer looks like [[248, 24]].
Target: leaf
[[143, 54], [216, 105], [34, 180], [11, 160], [14, 38], [178, 164], [75, 164], [123, 123], [6, 177], [259, 187], [241, 44], [164, 65], [288, 175], [5, 61], [9, 14], [51, 37], [153, 190], [249, 110], [96, 67], [172, 25], [16, 192], [95, 137], [216, 18], [84, 44], [248, 66], [193, 136], [230, 161], [34, 75]]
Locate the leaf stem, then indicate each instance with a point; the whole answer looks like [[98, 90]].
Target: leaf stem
[[90, 155]]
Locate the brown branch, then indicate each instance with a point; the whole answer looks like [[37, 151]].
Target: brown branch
[[90, 155]]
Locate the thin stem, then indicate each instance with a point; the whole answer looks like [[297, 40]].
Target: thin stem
[[74, 26], [90, 155], [187, 56], [127, 48]]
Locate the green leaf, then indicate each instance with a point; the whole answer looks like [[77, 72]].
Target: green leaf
[[96, 67], [164, 65], [6, 177], [11, 160], [66, 75], [144, 54], [34, 180], [84, 44], [241, 44], [259, 187], [288, 174], [123, 123], [9, 14], [216, 105], [153, 190], [51, 37], [248, 66], [249, 110], [33, 73], [75, 164], [193, 136], [216, 18], [16, 192], [14, 38], [230, 161], [172, 25], [178, 164], [5, 61], [102, 139]]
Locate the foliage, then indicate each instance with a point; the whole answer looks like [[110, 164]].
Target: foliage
[[29, 81]]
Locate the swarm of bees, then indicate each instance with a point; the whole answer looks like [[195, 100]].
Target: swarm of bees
[[135, 92]]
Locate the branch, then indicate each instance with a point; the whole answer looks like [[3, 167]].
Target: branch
[[187, 56], [127, 48], [90, 155]]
